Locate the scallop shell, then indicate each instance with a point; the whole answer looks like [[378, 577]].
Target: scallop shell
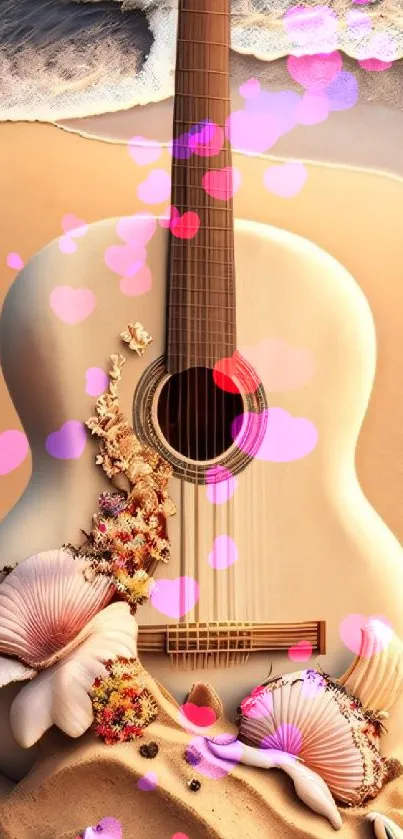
[[45, 602], [384, 828], [376, 675], [310, 716]]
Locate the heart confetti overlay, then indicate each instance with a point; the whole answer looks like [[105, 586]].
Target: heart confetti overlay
[[139, 283], [144, 151], [302, 651], [14, 449], [73, 228], [314, 72], [220, 484], [96, 381], [285, 180], [185, 226], [351, 626], [222, 184], [148, 782], [72, 305], [205, 763], [223, 554], [14, 261], [68, 443], [201, 716], [108, 828], [175, 598], [280, 366], [156, 187], [286, 438]]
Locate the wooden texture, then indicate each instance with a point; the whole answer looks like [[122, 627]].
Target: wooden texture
[[201, 318]]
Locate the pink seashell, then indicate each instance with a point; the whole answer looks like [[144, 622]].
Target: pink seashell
[[326, 729], [60, 604]]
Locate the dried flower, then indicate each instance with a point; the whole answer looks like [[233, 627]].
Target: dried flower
[[122, 705], [136, 337]]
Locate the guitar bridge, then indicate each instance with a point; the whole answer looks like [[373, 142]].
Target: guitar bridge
[[226, 644]]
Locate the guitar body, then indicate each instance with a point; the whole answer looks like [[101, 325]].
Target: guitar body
[[309, 546]]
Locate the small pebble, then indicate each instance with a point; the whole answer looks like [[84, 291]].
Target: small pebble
[[194, 785], [149, 750]]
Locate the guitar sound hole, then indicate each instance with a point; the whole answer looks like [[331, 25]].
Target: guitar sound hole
[[195, 416]]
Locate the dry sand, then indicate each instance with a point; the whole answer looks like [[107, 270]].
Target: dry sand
[[75, 785]]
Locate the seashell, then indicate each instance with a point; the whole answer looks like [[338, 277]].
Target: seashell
[[44, 605], [376, 675], [384, 828], [312, 717], [60, 695], [309, 787]]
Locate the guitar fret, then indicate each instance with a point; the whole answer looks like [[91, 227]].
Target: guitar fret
[[224, 47], [193, 304], [201, 289], [203, 12], [202, 96], [201, 70]]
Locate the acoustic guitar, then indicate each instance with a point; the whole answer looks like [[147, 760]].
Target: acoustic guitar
[[294, 547]]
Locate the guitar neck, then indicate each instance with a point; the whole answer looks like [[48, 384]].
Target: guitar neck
[[201, 322]]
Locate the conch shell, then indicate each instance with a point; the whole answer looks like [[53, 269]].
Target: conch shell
[[376, 675], [309, 787], [55, 631], [312, 717], [384, 828]]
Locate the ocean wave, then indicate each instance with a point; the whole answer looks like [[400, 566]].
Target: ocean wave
[[64, 59]]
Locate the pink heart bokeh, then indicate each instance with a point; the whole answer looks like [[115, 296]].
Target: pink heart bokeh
[[302, 651], [148, 782], [72, 305], [250, 89], [220, 485], [285, 180], [139, 283], [281, 366], [14, 449], [69, 442], [14, 261], [155, 188], [127, 259], [223, 554], [222, 184], [286, 438], [351, 635], [144, 151], [175, 598]]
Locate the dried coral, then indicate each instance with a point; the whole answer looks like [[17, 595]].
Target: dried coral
[[129, 533]]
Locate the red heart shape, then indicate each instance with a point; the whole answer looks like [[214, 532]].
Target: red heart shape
[[200, 715], [186, 226], [302, 651]]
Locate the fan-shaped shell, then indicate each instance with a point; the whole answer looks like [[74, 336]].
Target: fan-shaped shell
[[308, 715], [376, 675], [44, 604]]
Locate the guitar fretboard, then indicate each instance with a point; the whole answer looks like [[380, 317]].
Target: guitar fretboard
[[201, 317]]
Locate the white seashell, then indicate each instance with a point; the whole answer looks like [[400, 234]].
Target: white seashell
[[12, 670], [309, 787], [44, 604], [308, 715], [376, 675], [384, 828], [59, 695]]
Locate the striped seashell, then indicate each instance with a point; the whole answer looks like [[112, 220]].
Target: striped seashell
[[310, 716], [376, 675], [45, 603], [384, 828]]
